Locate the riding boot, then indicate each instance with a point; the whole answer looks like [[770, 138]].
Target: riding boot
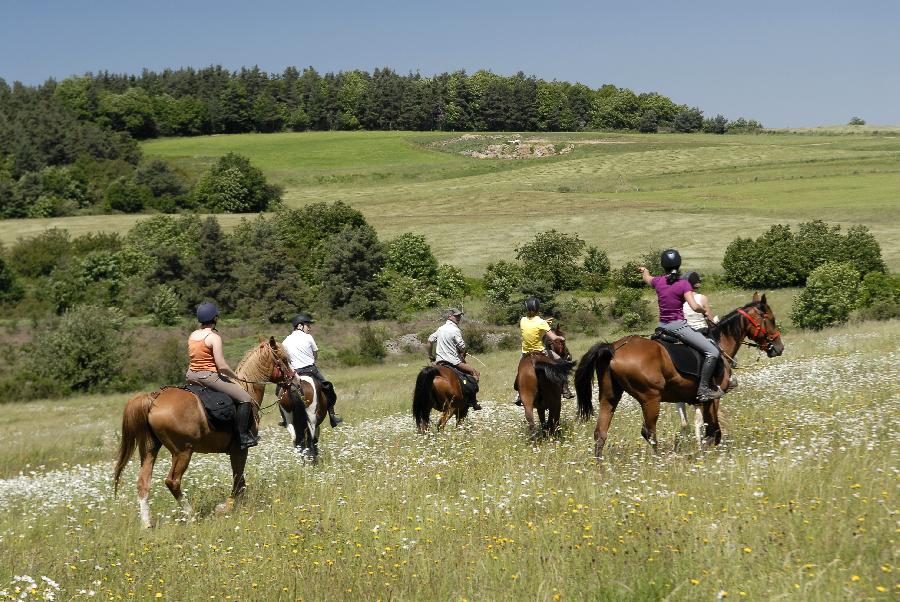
[[473, 403], [704, 391], [243, 416], [333, 418]]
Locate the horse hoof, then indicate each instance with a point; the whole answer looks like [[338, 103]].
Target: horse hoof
[[225, 507]]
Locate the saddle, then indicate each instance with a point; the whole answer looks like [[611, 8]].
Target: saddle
[[686, 359], [219, 407], [467, 383]]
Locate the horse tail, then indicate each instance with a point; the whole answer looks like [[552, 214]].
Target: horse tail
[[423, 399], [596, 360], [135, 431]]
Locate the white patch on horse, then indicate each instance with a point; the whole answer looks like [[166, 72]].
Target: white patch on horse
[[313, 406], [145, 510], [289, 420]]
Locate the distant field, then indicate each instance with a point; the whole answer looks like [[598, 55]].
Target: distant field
[[624, 192]]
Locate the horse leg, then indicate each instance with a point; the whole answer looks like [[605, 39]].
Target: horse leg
[[682, 414], [713, 434], [542, 416], [698, 424], [601, 431], [238, 463], [553, 421], [148, 459], [180, 461], [445, 414], [650, 409]]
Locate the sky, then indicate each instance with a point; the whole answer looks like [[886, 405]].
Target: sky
[[785, 63]]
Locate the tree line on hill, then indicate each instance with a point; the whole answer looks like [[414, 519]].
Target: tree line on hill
[[326, 258]]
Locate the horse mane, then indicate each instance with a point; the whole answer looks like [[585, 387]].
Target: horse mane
[[730, 324], [555, 371], [253, 366]]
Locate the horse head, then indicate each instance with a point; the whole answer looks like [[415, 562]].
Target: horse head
[[281, 371], [559, 346], [761, 328]]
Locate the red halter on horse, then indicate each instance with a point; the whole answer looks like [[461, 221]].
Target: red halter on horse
[[644, 369]]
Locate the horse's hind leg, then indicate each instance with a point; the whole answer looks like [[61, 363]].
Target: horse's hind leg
[[180, 461], [553, 419], [601, 431], [713, 434], [149, 451]]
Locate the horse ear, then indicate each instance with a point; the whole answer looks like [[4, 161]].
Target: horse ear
[[272, 343], [756, 297], [763, 300]]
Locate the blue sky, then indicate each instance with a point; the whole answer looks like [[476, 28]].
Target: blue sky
[[785, 63]]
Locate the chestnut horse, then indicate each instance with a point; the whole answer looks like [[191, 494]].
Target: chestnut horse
[[643, 368], [540, 380], [175, 418], [438, 388], [304, 406]]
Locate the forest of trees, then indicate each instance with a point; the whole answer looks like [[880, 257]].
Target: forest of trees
[[69, 147]]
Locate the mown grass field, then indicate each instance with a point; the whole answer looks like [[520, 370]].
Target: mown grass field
[[623, 192], [799, 502]]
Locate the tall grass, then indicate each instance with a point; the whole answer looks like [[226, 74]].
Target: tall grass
[[798, 502]]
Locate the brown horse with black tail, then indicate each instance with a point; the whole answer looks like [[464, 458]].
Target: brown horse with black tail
[[438, 388], [540, 380], [644, 369], [175, 418]]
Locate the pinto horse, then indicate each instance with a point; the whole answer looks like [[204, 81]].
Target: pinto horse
[[643, 368], [304, 407], [438, 388], [175, 418], [540, 380]]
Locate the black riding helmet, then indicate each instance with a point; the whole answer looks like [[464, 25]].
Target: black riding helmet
[[302, 318], [207, 312], [670, 259], [532, 305]]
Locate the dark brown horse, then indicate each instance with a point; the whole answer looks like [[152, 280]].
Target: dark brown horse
[[643, 368], [438, 388], [175, 418], [540, 380], [304, 406]]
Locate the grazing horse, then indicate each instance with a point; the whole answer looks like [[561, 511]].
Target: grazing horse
[[304, 406], [438, 388], [176, 418], [540, 380], [644, 369]]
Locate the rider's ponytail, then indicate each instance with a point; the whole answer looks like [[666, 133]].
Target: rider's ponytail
[[673, 276]]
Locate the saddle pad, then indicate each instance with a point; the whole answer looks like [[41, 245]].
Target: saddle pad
[[219, 407], [468, 384], [688, 360]]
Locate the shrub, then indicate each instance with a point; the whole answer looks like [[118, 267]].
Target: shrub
[[166, 306], [84, 350], [553, 256], [451, 284], [233, 185], [877, 288], [502, 281], [351, 262], [41, 254], [629, 276], [828, 298], [861, 249], [771, 261], [596, 269], [630, 308], [410, 255], [159, 363], [581, 316], [10, 289], [371, 343], [160, 179], [126, 196], [880, 310], [474, 336]]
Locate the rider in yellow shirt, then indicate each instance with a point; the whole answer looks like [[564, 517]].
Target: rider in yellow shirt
[[534, 328]]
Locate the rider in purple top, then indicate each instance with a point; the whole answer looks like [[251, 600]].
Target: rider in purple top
[[672, 292]]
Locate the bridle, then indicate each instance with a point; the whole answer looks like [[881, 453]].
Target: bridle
[[760, 335]]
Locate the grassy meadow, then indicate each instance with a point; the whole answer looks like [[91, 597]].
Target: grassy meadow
[[623, 192], [799, 501]]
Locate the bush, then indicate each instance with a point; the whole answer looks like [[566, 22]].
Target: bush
[[596, 269], [828, 298], [126, 196], [877, 288], [84, 351], [352, 260], [629, 276], [410, 255], [581, 316], [166, 306], [451, 284], [41, 254], [631, 309], [861, 248], [370, 349], [159, 363], [880, 310], [233, 185], [10, 289], [474, 336], [553, 256]]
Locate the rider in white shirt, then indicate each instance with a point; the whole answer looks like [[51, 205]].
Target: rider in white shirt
[[303, 352]]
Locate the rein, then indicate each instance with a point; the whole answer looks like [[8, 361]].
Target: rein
[[759, 332]]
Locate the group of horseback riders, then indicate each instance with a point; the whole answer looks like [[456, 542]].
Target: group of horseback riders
[[683, 313]]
